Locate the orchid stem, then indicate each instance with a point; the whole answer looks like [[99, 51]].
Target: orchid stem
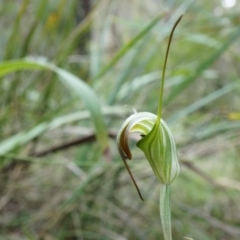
[[164, 69], [165, 211]]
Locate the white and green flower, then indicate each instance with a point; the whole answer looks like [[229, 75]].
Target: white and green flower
[[157, 143], [159, 147]]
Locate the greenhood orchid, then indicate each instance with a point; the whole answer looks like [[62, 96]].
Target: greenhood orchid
[[159, 147], [157, 144]]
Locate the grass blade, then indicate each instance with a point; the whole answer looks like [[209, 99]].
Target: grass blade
[[74, 83], [203, 101], [203, 66], [127, 47]]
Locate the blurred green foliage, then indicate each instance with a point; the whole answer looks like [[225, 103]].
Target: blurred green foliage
[[56, 181]]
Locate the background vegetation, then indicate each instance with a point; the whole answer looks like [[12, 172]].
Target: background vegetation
[[57, 180]]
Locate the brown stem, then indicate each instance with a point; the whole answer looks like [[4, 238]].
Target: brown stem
[[134, 182]]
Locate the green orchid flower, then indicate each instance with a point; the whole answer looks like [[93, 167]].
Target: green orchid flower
[[157, 144], [159, 147]]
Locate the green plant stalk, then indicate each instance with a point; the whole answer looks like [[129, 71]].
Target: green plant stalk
[[165, 211], [165, 199], [164, 70]]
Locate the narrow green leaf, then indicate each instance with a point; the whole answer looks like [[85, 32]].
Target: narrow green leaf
[[27, 135], [203, 101], [212, 58], [74, 83], [11, 44], [33, 27], [217, 128], [127, 47]]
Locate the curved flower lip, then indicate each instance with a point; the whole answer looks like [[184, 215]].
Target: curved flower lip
[[142, 122]]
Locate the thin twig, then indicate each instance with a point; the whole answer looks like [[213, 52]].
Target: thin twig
[[79, 141]]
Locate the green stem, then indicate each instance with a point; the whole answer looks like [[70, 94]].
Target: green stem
[[165, 211], [164, 69]]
